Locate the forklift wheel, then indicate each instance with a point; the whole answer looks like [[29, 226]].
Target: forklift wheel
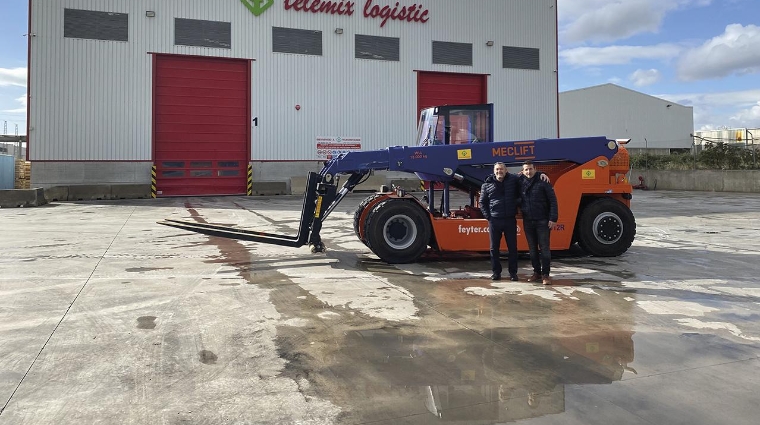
[[360, 210], [397, 231], [606, 228]]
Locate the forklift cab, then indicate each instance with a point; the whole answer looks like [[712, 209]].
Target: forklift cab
[[455, 125]]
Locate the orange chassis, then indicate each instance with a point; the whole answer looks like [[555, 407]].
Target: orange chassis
[[576, 186]]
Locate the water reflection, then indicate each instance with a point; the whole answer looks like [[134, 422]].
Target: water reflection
[[496, 375], [468, 360]]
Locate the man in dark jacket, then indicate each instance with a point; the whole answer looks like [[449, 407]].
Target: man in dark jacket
[[539, 211], [499, 197]]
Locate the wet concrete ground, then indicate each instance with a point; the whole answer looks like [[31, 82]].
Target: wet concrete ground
[[107, 317]]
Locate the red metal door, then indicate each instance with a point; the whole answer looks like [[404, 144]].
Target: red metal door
[[441, 88], [201, 133]]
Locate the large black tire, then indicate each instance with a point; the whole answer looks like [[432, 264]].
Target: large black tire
[[360, 210], [397, 231], [606, 228]]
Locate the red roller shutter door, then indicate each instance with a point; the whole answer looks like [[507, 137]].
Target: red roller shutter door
[[442, 88], [201, 125]]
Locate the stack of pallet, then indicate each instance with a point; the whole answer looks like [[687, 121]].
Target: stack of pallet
[[23, 174]]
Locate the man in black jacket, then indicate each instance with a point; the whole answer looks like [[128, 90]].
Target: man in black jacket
[[539, 211], [499, 197]]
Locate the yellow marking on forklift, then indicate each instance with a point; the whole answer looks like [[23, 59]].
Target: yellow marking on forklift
[[319, 207], [464, 154], [589, 174]]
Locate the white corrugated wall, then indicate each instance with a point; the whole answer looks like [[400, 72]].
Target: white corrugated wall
[[92, 100]]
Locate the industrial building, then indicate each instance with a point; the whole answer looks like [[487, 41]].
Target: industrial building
[[200, 91], [653, 124], [738, 137]]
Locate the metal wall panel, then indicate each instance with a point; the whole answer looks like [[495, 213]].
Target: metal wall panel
[[94, 25], [293, 40], [7, 171], [520, 57], [620, 113], [376, 47], [92, 100], [448, 53], [197, 32]]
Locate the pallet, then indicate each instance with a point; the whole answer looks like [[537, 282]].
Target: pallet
[[23, 174]]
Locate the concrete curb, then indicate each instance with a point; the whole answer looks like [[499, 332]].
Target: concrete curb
[[746, 181], [93, 192], [19, 198]]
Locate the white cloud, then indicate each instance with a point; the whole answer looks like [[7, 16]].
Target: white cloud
[[21, 100], [617, 55], [735, 109], [749, 118], [741, 99], [644, 77], [736, 51], [610, 20], [705, 127], [13, 77]]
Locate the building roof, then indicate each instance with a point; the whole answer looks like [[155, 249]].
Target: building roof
[[611, 86]]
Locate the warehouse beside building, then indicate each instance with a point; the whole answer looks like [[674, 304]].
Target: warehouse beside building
[[202, 90], [653, 124]]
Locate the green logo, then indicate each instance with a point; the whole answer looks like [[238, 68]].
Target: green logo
[[257, 7]]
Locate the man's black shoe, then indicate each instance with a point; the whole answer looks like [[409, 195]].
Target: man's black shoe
[[513, 278], [495, 276]]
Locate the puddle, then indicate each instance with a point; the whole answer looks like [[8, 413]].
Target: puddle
[[498, 374], [146, 322], [146, 269], [207, 357], [467, 358]]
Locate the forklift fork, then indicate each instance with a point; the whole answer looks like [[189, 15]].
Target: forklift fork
[[319, 200]]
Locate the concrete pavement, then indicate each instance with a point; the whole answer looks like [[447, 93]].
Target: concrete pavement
[[107, 317]]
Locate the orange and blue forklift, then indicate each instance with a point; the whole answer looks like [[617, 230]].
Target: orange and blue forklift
[[455, 150]]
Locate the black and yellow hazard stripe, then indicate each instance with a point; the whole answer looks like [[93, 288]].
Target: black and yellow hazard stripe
[[249, 192], [422, 185], [153, 181]]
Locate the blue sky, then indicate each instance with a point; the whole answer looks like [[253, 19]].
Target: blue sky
[[700, 53], [13, 53]]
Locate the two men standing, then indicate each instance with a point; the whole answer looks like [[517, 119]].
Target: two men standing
[[500, 196]]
